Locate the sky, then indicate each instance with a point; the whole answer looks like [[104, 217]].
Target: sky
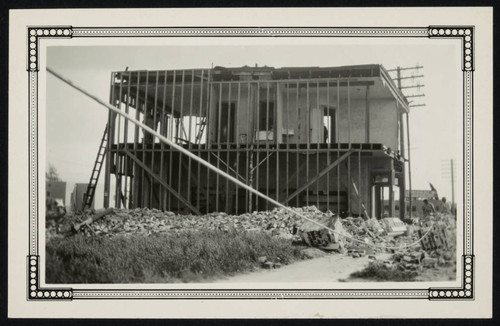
[[75, 123]]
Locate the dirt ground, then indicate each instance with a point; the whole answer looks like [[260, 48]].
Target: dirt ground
[[329, 268]]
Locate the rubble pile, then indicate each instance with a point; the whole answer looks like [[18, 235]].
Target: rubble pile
[[397, 246], [435, 249], [385, 242], [314, 235], [144, 221]]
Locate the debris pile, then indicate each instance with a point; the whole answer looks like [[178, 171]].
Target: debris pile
[[278, 222], [435, 249], [389, 243], [314, 235], [396, 248], [393, 226]]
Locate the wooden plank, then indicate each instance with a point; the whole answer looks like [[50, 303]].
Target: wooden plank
[[367, 115]]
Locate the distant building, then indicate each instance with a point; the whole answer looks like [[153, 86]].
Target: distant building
[[417, 201], [56, 190], [420, 194], [77, 197]]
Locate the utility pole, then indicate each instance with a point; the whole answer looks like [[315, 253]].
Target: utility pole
[[449, 174], [409, 78], [399, 77], [402, 184], [406, 82]]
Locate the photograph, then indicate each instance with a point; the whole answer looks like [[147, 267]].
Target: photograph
[[267, 162], [262, 165]]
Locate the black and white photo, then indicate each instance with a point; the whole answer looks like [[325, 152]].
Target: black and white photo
[[293, 162]]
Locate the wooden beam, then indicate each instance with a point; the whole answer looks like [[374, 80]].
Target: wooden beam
[[367, 115], [391, 191], [378, 202], [402, 176], [318, 176], [360, 200], [162, 182]]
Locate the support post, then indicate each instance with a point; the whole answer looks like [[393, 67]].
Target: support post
[[409, 159], [377, 203], [107, 165], [391, 190], [367, 116], [402, 176]]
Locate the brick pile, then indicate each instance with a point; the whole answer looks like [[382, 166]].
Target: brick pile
[[144, 221], [437, 248], [433, 250]]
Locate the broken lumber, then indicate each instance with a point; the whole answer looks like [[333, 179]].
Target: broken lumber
[[92, 219], [77, 226]]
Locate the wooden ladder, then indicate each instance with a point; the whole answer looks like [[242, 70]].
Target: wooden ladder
[[88, 197], [202, 125]]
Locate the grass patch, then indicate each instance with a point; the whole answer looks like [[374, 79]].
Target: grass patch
[[379, 272], [162, 258]]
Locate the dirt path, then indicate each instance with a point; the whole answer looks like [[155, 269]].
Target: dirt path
[[330, 268]]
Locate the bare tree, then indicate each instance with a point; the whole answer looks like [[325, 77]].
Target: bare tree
[[51, 174]]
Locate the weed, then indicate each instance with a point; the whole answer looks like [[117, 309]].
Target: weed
[[190, 256], [380, 272]]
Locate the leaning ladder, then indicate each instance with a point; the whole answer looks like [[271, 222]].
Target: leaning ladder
[[202, 125], [89, 194]]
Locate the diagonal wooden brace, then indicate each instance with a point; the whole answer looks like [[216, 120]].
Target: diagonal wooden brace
[[162, 182], [318, 176]]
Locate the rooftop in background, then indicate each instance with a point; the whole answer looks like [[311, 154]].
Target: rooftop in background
[[421, 194]]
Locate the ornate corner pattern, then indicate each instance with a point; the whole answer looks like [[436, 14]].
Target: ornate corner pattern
[[466, 292], [466, 33], [34, 34], [37, 293]]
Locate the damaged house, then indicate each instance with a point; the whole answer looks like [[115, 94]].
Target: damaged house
[[329, 137]]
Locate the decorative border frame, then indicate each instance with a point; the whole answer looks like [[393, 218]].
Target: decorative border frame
[[464, 34]]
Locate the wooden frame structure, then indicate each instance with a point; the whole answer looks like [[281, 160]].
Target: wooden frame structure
[[329, 137]]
